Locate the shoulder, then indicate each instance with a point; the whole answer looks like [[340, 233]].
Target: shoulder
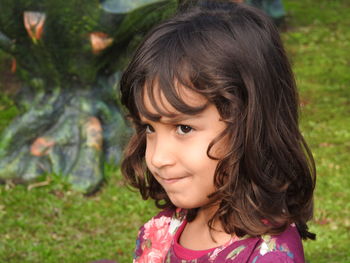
[[155, 236], [283, 248]]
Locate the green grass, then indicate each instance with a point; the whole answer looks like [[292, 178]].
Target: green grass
[[319, 44], [52, 223]]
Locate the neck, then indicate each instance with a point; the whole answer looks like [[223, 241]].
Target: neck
[[198, 236], [205, 214]]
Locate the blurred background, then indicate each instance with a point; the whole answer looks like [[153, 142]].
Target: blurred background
[[49, 214]]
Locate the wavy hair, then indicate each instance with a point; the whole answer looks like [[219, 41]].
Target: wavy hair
[[233, 55]]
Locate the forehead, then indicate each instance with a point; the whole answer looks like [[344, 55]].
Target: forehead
[[182, 100]]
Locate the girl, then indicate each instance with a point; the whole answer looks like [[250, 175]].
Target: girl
[[215, 109]]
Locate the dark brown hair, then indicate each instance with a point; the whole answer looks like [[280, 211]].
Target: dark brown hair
[[232, 54]]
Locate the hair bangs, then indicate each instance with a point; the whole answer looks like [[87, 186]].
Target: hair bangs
[[167, 73]]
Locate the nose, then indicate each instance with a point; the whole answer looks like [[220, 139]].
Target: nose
[[161, 153]]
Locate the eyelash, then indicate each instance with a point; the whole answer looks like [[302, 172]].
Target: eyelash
[[149, 129]]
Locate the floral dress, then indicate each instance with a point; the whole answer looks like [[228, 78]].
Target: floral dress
[[156, 241]]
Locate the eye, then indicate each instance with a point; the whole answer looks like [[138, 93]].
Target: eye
[[149, 129], [183, 129]]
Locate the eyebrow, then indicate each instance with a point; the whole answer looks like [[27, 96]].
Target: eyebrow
[[176, 118]]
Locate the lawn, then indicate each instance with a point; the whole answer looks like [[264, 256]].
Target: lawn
[[49, 222]]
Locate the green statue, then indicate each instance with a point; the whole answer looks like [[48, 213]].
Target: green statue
[[68, 56]]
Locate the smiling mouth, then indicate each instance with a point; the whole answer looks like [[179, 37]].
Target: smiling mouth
[[171, 180]]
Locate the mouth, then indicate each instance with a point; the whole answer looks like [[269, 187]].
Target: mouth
[[170, 180]]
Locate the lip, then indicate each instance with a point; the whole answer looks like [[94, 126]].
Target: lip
[[171, 180]]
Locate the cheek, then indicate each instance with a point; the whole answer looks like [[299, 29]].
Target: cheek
[[198, 159]]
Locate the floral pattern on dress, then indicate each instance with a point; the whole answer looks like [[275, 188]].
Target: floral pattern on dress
[[157, 236], [155, 244], [269, 244], [234, 253]]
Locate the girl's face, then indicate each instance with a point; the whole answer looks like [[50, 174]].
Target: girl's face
[[176, 151]]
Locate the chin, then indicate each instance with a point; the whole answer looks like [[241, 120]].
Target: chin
[[185, 205], [182, 205]]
